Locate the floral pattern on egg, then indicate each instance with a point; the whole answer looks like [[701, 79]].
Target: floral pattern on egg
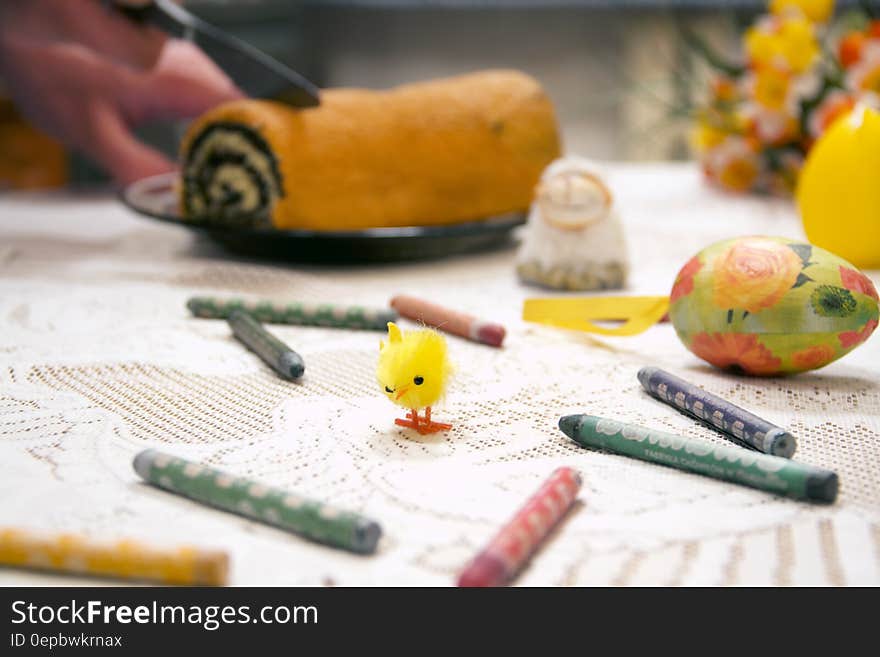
[[767, 306]]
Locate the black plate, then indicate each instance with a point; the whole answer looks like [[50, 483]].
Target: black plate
[[156, 197]]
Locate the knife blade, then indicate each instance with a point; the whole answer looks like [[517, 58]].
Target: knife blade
[[253, 71]]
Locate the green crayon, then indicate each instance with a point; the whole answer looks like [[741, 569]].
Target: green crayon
[[297, 313], [274, 506], [274, 353], [770, 473]]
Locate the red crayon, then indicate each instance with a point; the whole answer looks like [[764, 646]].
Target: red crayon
[[451, 321], [512, 546]]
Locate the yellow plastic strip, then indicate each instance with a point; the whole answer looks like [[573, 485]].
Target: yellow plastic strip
[[638, 314]]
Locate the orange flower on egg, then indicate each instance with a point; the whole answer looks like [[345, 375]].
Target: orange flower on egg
[[812, 357], [849, 339], [684, 282], [736, 350], [754, 274], [856, 281]]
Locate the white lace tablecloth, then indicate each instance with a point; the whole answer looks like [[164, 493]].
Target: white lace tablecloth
[[99, 359]]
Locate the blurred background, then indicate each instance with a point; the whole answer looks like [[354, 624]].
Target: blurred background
[[621, 73]]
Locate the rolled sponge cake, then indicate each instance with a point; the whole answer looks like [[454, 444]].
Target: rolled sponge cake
[[437, 152]]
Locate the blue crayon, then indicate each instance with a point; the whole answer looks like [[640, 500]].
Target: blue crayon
[[717, 413]]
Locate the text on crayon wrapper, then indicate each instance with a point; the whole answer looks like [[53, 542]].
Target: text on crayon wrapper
[[719, 453], [772, 480]]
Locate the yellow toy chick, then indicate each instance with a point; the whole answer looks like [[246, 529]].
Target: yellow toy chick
[[413, 371]]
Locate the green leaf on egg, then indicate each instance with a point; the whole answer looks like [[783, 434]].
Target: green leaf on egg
[[801, 280], [804, 251]]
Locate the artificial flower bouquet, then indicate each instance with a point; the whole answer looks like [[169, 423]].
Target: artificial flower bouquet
[[797, 75]]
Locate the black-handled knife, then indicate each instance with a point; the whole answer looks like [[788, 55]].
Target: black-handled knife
[[254, 72]]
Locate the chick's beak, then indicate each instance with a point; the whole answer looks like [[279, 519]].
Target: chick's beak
[[402, 392]]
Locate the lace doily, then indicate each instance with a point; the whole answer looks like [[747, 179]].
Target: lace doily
[[99, 359]]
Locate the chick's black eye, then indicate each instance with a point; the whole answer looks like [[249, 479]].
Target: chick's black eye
[[419, 380], [387, 389]]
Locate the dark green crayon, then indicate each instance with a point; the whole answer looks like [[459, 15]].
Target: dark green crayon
[[274, 353], [751, 468], [296, 313], [315, 520]]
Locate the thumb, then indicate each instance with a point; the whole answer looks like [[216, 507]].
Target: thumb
[[117, 150]]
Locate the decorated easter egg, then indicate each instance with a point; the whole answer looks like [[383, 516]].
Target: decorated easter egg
[[771, 305]]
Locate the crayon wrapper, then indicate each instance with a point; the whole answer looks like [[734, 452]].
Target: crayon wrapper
[[125, 559], [295, 313], [449, 321], [748, 467], [518, 539], [274, 506], [718, 413]]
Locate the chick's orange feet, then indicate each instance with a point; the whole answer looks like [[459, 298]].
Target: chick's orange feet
[[423, 425]]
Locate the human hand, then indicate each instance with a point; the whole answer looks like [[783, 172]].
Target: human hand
[[87, 75]]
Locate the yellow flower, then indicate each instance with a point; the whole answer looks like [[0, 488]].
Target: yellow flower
[[818, 11], [761, 46], [713, 125], [733, 164], [706, 136], [738, 175], [754, 274], [772, 88], [788, 42], [871, 81], [798, 44]]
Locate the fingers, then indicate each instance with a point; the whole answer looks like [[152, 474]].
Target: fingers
[[102, 29], [117, 150], [89, 101], [110, 33], [184, 84]]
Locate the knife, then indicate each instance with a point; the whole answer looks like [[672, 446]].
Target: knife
[[253, 71]]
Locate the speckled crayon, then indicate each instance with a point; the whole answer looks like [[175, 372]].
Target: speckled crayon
[[512, 546], [274, 506], [717, 413], [273, 351], [124, 559], [742, 466], [297, 313]]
